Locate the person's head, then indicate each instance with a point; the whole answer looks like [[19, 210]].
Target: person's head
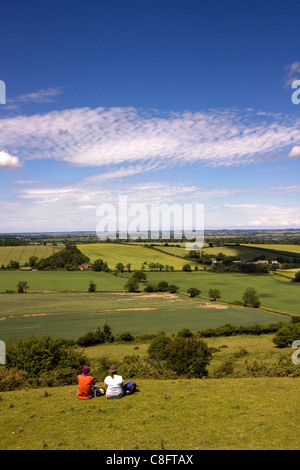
[[113, 370], [85, 370]]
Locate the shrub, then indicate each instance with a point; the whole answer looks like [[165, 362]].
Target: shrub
[[157, 347], [36, 356], [11, 378], [126, 336], [193, 291], [22, 286], [100, 335], [185, 333], [173, 289], [224, 370], [188, 357], [92, 287], [286, 335], [132, 285]]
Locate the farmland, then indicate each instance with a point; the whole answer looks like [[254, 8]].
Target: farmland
[[136, 255], [276, 293], [21, 254], [244, 252], [71, 315]]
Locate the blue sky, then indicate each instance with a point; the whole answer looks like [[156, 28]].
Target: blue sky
[[161, 101]]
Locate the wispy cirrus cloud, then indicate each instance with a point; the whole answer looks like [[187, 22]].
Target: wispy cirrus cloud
[[41, 96], [139, 139]]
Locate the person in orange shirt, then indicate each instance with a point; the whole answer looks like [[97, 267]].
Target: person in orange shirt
[[85, 384]]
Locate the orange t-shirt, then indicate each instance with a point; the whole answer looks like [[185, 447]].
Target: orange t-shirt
[[85, 386]]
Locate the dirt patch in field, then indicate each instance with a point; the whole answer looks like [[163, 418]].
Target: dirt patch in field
[[217, 306], [35, 315], [141, 308]]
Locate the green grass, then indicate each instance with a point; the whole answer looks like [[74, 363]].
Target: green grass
[[70, 315], [244, 252], [285, 248], [23, 253], [275, 292], [59, 280], [126, 253], [261, 414]]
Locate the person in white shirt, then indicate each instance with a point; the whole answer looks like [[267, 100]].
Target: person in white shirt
[[113, 383]]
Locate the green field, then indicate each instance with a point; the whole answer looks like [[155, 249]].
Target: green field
[[285, 248], [275, 292], [59, 280], [134, 254], [23, 253], [70, 315], [244, 252]]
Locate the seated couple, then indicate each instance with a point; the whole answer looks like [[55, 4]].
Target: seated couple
[[113, 384]]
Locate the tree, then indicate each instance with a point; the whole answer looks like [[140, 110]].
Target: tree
[[32, 261], [22, 286], [120, 267], [214, 294], [186, 267], [132, 285], [297, 277], [193, 291], [188, 356], [173, 289], [286, 335], [250, 298], [139, 275], [92, 287], [13, 264]]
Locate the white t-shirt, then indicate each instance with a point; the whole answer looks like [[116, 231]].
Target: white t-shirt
[[114, 385]]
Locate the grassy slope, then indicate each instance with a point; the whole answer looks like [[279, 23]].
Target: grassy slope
[[245, 413], [171, 415]]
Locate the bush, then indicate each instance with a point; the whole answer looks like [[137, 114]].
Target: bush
[[92, 287], [132, 285], [100, 335], [11, 378], [193, 291], [157, 347], [188, 357], [36, 356], [224, 370], [22, 286], [185, 333], [286, 335], [126, 336]]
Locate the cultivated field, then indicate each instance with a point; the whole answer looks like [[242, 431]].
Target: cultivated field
[[70, 315], [244, 252], [59, 280], [23, 253], [134, 254], [275, 292]]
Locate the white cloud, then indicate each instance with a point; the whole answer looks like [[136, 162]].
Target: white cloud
[[295, 152], [8, 161], [292, 72], [40, 96], [141, 139]]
